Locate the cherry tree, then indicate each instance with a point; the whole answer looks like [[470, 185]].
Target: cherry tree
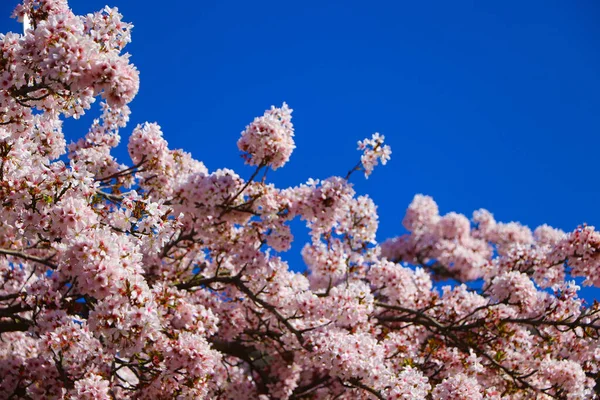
[[159, 279]]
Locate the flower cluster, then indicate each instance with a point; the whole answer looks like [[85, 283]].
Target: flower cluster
[[268, 140], [374, 151]]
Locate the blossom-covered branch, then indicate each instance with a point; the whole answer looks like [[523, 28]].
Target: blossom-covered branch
[[157, 278]]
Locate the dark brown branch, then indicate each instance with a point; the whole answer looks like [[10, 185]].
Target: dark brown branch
[[15, 253], [109, 196], [273, 310], [239, 284], [358, 384], [244, 353], [206, 281], [306, 390], [123, 172], [449, 333], [14, 326]]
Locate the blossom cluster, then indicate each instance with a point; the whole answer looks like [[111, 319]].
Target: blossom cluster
[[374, 151], [268, 140]]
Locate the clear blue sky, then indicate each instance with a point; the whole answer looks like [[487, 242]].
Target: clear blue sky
[[485, 104]]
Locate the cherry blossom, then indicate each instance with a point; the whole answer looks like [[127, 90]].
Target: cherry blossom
[[268, 140], [158, 278], [374, 151]]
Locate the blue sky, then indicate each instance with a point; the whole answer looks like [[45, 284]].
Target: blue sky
[[485, 104]]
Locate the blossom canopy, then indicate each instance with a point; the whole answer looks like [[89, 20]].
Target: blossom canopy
[[158, 278]]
